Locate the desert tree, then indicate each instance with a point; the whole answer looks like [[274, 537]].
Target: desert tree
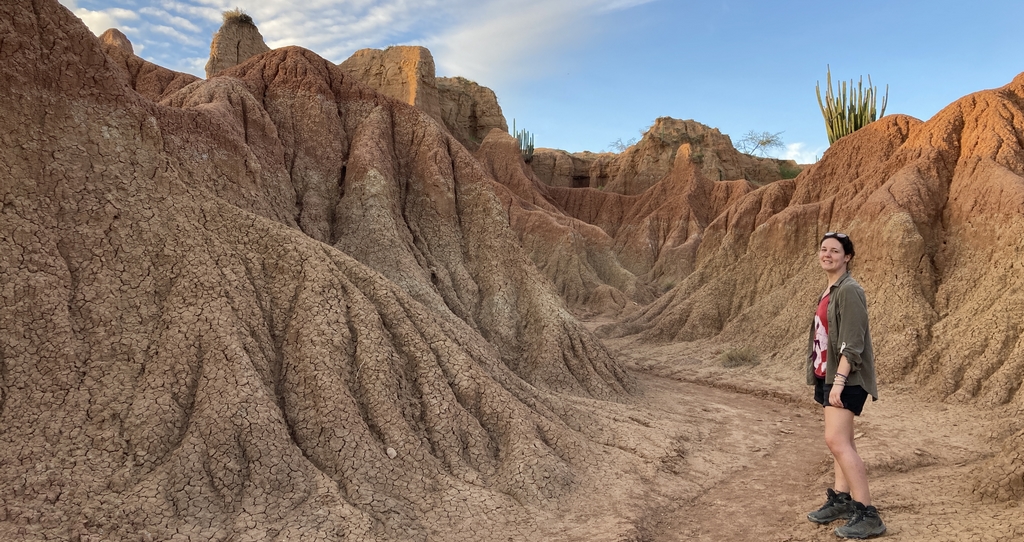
[[754, 142], [619, 145]]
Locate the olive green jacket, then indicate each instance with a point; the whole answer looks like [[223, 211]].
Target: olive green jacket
[[848, 335]]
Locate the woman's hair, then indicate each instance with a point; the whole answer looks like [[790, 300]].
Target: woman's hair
[[843, 240]]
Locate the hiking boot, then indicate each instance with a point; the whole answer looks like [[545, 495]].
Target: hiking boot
[[838, 506], [865, 523]]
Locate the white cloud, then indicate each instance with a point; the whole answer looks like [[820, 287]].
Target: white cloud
[[169, 19], [508, 39], [99, 21], [486, 40], [195, 65], [209, 13], [336, 29], [502, 44], [802, 154], [178, 35]]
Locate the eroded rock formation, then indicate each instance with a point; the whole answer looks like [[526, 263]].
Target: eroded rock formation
[[578, 257], [642, 165], [563, 169], [115, 38], [275, 304], [152, 81], [609, 251], [469, 111], [237, 41], [403, 72]]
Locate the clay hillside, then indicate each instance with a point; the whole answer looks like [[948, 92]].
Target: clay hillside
[[300, 300], [274, 301]]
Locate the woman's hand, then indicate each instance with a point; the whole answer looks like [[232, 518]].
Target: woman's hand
[[835, 396]]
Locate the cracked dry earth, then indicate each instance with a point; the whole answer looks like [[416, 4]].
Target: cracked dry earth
[[762, 451]]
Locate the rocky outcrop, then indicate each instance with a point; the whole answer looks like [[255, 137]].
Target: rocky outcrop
[[237, 40], [648, 161], [579, 258], [469, 111], [607, 252], [563, 169], [656, 233], [405, 73], [114, 38], [152, 81]]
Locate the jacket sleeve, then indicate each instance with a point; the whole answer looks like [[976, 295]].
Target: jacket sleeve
[[853, 324]]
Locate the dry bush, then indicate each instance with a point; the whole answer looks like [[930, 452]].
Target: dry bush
[[237, 15], [743, 356]]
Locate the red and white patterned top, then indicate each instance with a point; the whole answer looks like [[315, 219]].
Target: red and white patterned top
[[821, 337]]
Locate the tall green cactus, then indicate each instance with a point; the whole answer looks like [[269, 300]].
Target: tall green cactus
[[845, 114], [525, 142]]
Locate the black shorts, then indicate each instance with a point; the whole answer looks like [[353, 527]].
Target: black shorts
[[853, 397]]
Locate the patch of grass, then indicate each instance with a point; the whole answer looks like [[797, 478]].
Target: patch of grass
[[789, 171], [744, 356], [237, 15]]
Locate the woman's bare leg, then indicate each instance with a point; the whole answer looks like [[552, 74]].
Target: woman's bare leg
[[851, 476]]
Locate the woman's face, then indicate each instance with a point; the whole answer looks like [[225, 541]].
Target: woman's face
[[832, 257]]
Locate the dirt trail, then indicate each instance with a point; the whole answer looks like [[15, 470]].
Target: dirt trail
[[762, 462], [779, 457]]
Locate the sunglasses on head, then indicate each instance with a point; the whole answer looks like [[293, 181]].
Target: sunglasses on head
[[835, 234]]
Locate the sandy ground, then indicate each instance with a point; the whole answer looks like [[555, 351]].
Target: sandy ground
[[751, 460]]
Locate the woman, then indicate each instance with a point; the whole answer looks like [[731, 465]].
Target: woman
[[841, 366]]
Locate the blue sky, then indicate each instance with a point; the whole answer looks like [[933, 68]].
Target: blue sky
[[581, 74]]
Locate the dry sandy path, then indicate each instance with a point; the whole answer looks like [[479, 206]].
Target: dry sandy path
[[762, 462], [763, 497]]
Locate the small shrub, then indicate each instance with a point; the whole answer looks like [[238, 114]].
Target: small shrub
[[788, 171], [237, 15], [743, 356]]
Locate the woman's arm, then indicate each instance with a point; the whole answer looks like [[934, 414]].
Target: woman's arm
[[852, 308], [839, 383]]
